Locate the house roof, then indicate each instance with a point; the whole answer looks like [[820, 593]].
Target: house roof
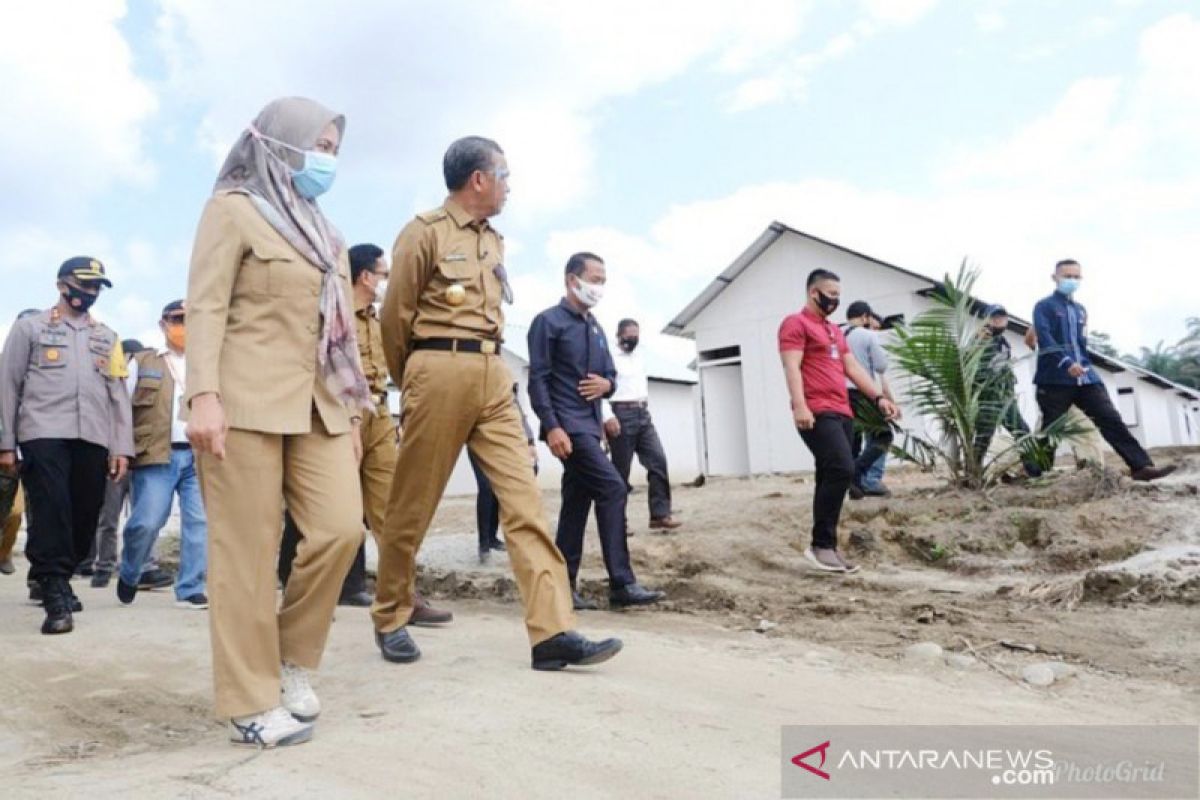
[[678, 326]]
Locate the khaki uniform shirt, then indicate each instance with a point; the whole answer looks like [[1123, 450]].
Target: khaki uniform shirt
[[370, 349], [439, 249], [254, 320], [63, 378]]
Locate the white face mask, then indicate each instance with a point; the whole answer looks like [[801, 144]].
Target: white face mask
[[588, 293], [380, 290]]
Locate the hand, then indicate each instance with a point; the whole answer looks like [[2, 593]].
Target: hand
[[889, 409], [356, 439], [118, 466], [206, 425], [593, 387], [8, 460], [1076, 371], [560, 443], [803, 418], [613, 428]]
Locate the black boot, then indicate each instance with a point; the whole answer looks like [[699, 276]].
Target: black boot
[[56, 596]]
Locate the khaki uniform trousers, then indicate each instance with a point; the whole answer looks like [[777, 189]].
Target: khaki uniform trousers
[[12, 525], [316, 477], [378, 466], [452, 400]]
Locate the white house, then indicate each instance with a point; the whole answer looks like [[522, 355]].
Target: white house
[[743, 418], [672, 404]]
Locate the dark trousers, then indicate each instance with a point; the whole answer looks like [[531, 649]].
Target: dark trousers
[[1092, 399], [102, 555], [990, 419], [877, 443], [589, 477], [829, 442], [639, 437], [355, 580], [64, 483], [487, 507]]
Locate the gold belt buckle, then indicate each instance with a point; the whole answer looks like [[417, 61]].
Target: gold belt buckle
[[487, 347]]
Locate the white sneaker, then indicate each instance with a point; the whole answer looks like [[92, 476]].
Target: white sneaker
[[298, 695], [274, 728], [825, 559]]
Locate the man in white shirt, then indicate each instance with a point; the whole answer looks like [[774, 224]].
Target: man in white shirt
[[630, 429], [163, 467]]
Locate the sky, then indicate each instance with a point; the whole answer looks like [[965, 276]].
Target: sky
[[663, 136]]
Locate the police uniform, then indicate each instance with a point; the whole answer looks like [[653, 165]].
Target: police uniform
[[253, 326], [63, 401], [442, 322]]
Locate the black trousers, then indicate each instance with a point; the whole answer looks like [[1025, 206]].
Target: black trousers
[[64, 483], [589, 477], [878, 443], [829, 442], [638, 436], [487, 507], [355, 580], [1092, 399]]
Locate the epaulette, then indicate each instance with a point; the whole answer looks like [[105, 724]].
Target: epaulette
[[430, 217]]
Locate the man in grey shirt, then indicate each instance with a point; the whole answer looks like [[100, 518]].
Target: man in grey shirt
[[63, 401], [864, 344]]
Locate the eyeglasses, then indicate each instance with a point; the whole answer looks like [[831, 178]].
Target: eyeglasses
[[177, 319]]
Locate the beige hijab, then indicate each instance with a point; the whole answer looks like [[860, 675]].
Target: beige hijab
[[261, 169]]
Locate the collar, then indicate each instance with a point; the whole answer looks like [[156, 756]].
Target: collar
[[565, 304], [366, 310], [461, 218], [85, 321], [808, 312]]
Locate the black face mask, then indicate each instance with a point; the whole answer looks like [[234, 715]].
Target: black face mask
[[998, 331], [78, 299], [629, 344], [826, 303]]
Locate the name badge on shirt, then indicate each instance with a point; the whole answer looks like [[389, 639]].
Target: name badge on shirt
[[833, 352]]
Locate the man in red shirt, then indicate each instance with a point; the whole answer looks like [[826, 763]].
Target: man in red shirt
[[816, 364]]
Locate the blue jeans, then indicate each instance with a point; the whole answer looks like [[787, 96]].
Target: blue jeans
[[154, 488], [873, 477]]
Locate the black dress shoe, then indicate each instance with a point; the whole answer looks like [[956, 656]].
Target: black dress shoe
[[581, 603], [125, 591], [397, 646], [360, 599], [73, 600], [101, 578], [498, 546], [57, 602], [571, 649], [634, 594]]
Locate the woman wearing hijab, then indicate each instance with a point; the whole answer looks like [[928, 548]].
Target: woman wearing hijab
[[274, 389]]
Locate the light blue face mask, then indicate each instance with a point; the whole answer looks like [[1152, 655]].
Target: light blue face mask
[[317, 174], [1068, 286]]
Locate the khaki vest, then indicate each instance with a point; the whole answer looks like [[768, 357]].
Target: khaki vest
[[152, 400]]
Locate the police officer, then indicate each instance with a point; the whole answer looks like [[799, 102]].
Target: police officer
[[442, 321], [63, 400]]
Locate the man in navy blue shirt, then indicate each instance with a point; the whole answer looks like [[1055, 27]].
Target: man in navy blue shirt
[[1065, 376], [570, 371]]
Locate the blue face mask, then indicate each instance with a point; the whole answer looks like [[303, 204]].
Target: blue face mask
[[1068, 286], [317, 175]]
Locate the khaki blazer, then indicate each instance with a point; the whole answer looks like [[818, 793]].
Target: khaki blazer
[[253, 318]]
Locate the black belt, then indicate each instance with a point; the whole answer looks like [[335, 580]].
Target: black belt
[[180, 446], [630, 404], [485, 347]]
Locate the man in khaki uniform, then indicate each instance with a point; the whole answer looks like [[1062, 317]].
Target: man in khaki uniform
[[63, 400], [442, 324]]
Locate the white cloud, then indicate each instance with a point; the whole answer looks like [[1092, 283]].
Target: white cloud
[[73, 109], [1084, 180], [410, 78]]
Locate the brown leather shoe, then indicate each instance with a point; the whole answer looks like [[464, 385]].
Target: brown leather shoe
[[1153, 473], [665, 524], [425, 615]]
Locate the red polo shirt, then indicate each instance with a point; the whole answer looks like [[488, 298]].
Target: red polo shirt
[[822, 369]]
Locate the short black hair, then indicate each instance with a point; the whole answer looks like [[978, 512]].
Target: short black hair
[[625, 323], [820, 275], [859, 308], [466, 156], [577, 264], [363, 257], [132, 347], [1066, 262]]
